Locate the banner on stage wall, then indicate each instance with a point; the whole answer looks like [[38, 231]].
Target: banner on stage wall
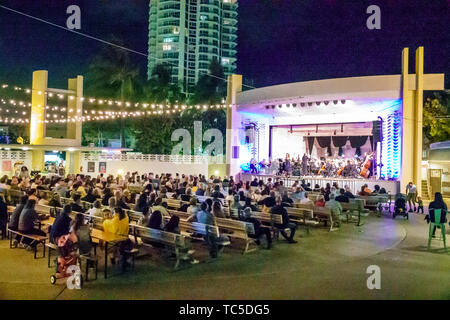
[[91, 166], [102, 167], [6, 165]]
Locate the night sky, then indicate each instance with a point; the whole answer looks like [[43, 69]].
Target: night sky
[[278, 41]]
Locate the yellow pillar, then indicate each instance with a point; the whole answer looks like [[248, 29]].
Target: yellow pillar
[[412, 121], [417, 178], [234, 87], [75, 109], [73, 162], [38, 103], [37, 161]]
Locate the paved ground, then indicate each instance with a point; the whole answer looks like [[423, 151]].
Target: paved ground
[[323, 265]]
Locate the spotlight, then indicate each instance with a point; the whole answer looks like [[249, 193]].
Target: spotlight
[[326, 102], [267, 107], [310, 104], [302, 104], [279, 106], [317, 103], [335, 101], [343, 101], [273, 106], [294, 105], [287, 105]]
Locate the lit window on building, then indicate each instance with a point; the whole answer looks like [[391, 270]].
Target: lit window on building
[[167, 47]]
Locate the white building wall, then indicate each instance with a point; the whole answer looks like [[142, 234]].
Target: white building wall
[[123, 163], [10, 158]]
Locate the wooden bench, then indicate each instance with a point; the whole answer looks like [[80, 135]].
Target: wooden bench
[[374, 202], [237, 229], [173, 203], [190, 229], [323, 214], [134, 216], [13, 196], [354, 209], [38, 239], [304, 216], [178, 244]]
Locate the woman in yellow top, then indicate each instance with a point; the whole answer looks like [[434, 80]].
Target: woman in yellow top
[[119, 224], [78, 187]]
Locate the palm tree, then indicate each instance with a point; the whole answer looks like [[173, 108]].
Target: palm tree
[[211, 87], [113, 74]]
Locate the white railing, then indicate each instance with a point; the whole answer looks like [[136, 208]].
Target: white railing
[[87, 156]]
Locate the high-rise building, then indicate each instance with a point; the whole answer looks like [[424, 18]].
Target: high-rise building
[[188, 34]]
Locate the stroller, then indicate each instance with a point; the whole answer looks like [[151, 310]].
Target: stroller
[[67, 258], [400, 206]]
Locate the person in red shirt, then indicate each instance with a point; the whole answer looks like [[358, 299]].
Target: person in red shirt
[[320, 201]]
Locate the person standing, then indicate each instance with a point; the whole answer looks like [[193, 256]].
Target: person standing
[[411, 192]]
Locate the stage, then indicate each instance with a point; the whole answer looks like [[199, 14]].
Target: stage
[[392, 187]]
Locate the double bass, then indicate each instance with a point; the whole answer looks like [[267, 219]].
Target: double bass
[[365, 171]]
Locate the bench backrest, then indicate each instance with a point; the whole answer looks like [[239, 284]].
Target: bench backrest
[[200, 228], [300, 212], [267, 217], [180, 214], [173, 203], [239, 228], [322, 211], [134, 215], [39, 208], [160, 236]]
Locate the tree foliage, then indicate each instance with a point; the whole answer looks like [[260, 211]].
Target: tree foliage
[[113, 75], [436, 121]]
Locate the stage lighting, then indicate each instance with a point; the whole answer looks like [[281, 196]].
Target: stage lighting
[[294, 105], [267, 107], [302, 104], [326, 102], [343, 101], [335, 101], [273, 106], [310, 104], [280, 105], [318, 103], [287, 105]]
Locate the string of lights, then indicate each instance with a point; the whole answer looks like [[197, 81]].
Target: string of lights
[[107, 101]]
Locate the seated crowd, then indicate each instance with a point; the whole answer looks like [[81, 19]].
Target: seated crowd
[[110, 197]]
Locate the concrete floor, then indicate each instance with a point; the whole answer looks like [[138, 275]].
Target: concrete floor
[[323, 265]]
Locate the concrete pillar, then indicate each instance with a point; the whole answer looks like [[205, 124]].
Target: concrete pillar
[[75, 108], [38, 103], [233, 88], [73, 161], [37, 160], [417, 180], [407, 125]]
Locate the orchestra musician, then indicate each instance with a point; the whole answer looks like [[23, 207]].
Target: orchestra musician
[[361, 167]]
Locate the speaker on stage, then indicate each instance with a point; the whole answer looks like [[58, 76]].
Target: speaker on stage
[[376, 131]]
